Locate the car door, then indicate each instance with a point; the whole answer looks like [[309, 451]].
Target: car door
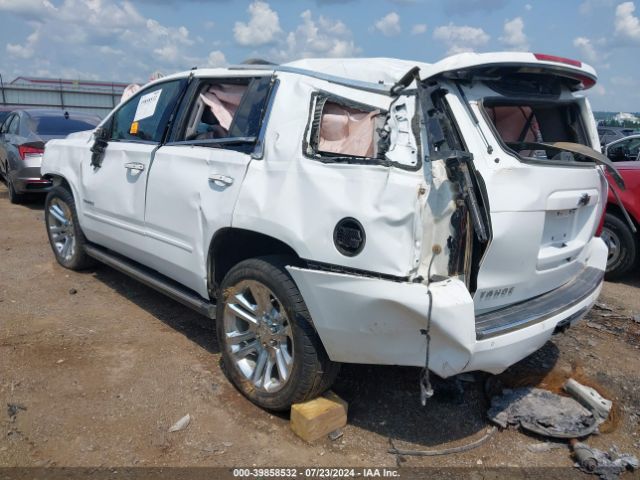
[[194, 181], [113, 193], [624, 150]]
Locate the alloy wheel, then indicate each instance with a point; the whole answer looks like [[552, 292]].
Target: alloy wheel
[[258, 336], [61, 228], [612, 241]]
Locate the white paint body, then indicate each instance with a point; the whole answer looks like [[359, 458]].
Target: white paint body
[[166, 216]]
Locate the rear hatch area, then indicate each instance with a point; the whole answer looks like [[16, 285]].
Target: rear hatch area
[[544, 203]]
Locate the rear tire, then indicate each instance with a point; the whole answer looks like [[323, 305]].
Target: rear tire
[[65, 235], [270, 350], [14, 197], [622, 244]]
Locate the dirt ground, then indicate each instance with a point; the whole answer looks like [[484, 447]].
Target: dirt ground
[[98, 367]]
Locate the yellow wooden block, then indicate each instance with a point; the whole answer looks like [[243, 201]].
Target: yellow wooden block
[[318, 417]]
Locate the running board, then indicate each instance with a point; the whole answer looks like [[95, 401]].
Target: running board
[[154, 280]]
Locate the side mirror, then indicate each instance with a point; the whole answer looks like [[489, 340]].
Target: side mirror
[[101, 137]]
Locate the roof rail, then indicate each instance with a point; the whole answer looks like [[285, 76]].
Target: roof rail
[[380, 88]]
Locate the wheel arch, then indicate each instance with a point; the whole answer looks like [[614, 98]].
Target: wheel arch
[[230, 246], [59, 180], [614, 209]]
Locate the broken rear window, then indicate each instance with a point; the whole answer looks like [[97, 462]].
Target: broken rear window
[[342, 129], [519, 124]]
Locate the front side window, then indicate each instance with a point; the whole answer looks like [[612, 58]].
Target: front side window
[[224, 111], [145, 116]]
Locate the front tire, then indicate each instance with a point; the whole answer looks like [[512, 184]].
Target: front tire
[[622, 245], [270, 350], [65, 235]]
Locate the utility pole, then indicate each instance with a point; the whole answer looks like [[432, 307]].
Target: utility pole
[[4, 99], [61, 94]]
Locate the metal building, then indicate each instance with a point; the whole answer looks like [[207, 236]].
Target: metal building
[[79, 95]]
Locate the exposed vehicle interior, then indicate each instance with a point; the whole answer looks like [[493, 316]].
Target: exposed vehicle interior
[[519, 124], [347, 130], [214, 110]]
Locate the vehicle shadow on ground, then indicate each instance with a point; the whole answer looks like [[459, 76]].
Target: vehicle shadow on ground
[[386, 399], [382, 399], [32, 201], [192, 325], [631, 279]]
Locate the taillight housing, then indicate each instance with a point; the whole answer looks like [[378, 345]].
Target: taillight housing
[[25, 151], [604, 192], [553, 58]]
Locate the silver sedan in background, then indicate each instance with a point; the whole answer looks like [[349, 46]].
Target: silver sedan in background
[[23, 135]]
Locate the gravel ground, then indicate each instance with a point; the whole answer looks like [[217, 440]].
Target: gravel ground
[[98, 367]]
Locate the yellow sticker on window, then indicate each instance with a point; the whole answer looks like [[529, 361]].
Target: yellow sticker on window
[[134, 128]]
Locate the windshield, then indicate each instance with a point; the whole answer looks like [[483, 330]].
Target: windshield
[[62, 126], [521, 123]]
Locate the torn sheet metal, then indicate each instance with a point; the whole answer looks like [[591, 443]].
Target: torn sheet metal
[[364, 319], [542, 412], [299, 198], [607, 465]]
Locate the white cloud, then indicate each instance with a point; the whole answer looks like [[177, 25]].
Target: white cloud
[[28, 49], [587, 49], [262, 28], [623, 81], [418, 29], [461, 38], [513, 36], [322, 38], [216, 59], [105, 36], [528, 7], [389, 25], [588, 6], [627, 25], [27, 8]]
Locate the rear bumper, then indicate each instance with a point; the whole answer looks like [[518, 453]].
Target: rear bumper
[[28, 179], [376, 321]]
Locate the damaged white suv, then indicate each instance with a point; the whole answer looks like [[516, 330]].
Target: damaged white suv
[[361, 210]]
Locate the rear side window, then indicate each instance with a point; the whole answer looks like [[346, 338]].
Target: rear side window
[[342, 130], [146, 115], [50, 125], [14, 125]]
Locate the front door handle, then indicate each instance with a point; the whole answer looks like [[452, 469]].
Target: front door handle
[[134, 166], [221, 180]]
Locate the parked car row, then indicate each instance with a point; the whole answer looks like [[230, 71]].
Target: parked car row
[[23, 135], [611, 134]]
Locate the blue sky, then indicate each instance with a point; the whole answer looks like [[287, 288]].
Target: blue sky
[[128, 40]]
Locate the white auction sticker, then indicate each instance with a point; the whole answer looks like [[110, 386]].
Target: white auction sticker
[[147, 105]]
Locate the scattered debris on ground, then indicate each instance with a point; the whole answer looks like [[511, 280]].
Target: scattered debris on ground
[[607, 465], [181, 424], [13, 409], [589, 398], [542, 412]]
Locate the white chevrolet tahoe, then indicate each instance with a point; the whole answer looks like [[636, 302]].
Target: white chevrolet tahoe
[[375, 211]]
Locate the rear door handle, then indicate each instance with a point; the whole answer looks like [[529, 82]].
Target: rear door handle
[[134, 166], [221, 180]]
